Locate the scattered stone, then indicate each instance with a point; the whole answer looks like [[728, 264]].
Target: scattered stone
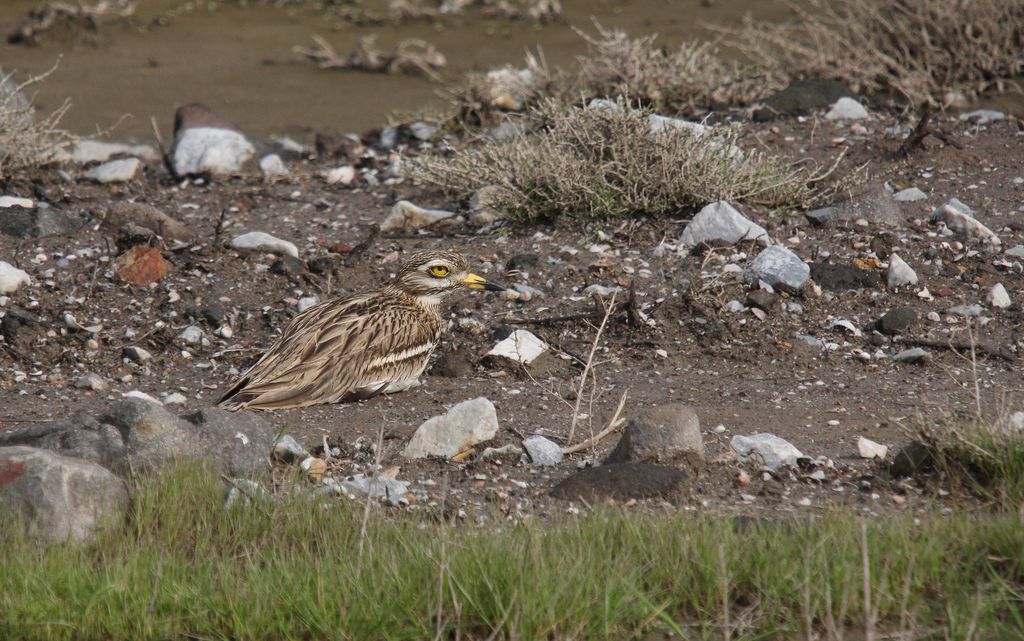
[[847, 108], [393, 491], [306, 302], [896, 320], [289, 450], [959, 218], [663, 434], [271, 166], [137, 354], [910, 195], [913, 356], [801, 98], [664, 123], [542, 451], [314, 467], [11, 278], [152, 436], [762, 299], [40, 221], [622, 482], [838, 278], [175, 398], [141, 265], [240, 442], [121, 215], [1017, 251], [966, 310], [900, 273], [913, 459], [780, 268], [522, 262], [423, 131], [87, 151], [983, 116], [405, 216], [462, 427], [871, 450], [873, 203], [60, 498], [719, 222], [92, 382], [998, 297], [821, 217], [507, 452], [735, 307], [262, 241], [191, 335], [520, 346], [115, 171], [205, 143], [343, 175], [242, 492], [7, 202], [77, 436], [766, 449]]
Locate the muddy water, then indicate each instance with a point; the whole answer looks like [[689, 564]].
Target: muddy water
[[240, 61]]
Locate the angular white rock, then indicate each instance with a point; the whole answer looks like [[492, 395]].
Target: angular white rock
[[847, 108], [11, 278], [272, 166], [910, 195], [900, 273], [520, 346], [407, 216], [16, 201], [262, 241], [343, 175], [870, 449], [780, 268], [998, 297], [462, 427], [721, 222], [542, 451], [213, 150], [115, 171], [959, 218], [766, 449]]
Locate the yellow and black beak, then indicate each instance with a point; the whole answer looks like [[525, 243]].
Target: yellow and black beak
[[473, 281]]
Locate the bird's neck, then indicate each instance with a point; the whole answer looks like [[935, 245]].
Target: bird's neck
[[430, 302]]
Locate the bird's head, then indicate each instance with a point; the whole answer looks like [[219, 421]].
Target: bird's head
[[431, 275]]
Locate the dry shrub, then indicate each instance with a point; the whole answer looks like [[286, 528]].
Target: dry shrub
[[24, 142], [602, 163], [918, 49], [56, 13]]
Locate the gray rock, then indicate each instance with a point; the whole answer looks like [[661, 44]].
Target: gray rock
[[780, 268], [59, 498], [174, 398], [998, 297], [663, 434], [210, 150], [240, 442], [872, 202], [847, 108], [841, 277], [462, 427], [191, 335], [720, 223], [900, 273], [137, 354], [909, 195], [289, 450], [966, 310], [41, 221], [542, 451], [376, 487], [12, 278], [622, 481], [78, 436], [115, 171], [262, 241], [306, 302], [821, 217], [913, 459], [405, 216], [871, 450], [897, 320], [87, 151], [959, 218], [1017, 251], [243, 492], [423, 131], [766, 449], [93, 382], [131, 217], [272, 167], [983, 116], [483, 205], [152, 436], [912, 356]]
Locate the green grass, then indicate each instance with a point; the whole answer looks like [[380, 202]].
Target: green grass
[[184, 567]]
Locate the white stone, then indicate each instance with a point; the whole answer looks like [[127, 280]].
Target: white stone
[[720, 222], [191, 335], [983, 116], [343, 175], [289, 450], [1017, 251], [407, 216], [135, 353], [913, 194], [11, 278], [959, 218], [262, 241], [272, 166], [175, 398], [213, 150], [87, 151], [376, 487], [664, 123], [780, 268], [998, 297], [462, 427], [766, 449], [912, 355], [306, 302], [900, 273], [141, 396], [92, 382], [847, 108], [542, 451], [520, 346], [115, 171], [871, 450], [16, 201]]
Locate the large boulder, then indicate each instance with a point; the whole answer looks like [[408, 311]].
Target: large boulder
[[79, 436], [205, 143], [59, 498], [240, 442]]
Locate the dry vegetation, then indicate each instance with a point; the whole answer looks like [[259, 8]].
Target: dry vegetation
[[606, 162], [56, 13], [25, 142]]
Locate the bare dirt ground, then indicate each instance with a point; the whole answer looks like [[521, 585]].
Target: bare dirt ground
[[743, 374]]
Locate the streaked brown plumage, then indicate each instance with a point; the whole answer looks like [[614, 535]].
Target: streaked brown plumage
[[355, 347]]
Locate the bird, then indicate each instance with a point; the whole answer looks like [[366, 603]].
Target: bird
[[354, 347]]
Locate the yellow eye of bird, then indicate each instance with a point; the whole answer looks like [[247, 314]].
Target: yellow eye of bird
[[439, 271]]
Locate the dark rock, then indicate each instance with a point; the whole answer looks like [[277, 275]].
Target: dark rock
[[454, 364], [240, 442], [522, 261], [662, 434], [896, 320], [913, 459], [59, 498], [324, 265], [288, 265], [842, 277], [41, 221], [79, 436], [336, 145], [198, 115], [821, 217], [622, 481], [802, 97], [762, 298], [213, 314]]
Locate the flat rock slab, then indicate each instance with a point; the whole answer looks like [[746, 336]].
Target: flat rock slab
[[460, 428], [622, 481], [60, 498]]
